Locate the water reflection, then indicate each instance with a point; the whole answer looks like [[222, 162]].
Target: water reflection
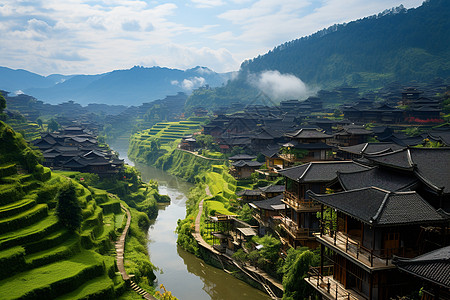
[[186, 276]]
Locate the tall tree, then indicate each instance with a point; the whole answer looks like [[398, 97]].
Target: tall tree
[[68, 209], [52, 125], [2, 103]]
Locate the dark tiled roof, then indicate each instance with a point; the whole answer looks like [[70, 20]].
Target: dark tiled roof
[[247, 163], [273, 188], [312, 146], [267, 204], [308, 133], [321, 171], [256, 192], [430, 165], [371, 148], [242, 157], [354, 129], [433, 266], [375, 206], [387, 180]]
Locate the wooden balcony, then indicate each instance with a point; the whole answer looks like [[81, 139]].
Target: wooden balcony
[[295, 202], [292, 228], [352, 249], [326, 285]]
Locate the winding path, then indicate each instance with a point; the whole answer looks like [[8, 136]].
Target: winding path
[[201, 156], [256, 274], [120, 248], [197, 235]]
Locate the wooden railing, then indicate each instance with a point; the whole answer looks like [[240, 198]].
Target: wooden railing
[[295, 201], [293, 229], [323, 282], [356, 248]]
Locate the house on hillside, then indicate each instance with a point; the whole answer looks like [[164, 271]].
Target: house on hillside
[[300, 219], [362, 231], [430, 270], [306, 144]]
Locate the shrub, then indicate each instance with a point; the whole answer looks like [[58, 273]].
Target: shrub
[[68, 209]]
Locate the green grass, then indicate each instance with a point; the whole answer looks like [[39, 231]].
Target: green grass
[[31, 233], [98, 288], [218, 207], [51, 280]]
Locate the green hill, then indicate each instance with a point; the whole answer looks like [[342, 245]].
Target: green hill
[[399, 44], [41, 258]]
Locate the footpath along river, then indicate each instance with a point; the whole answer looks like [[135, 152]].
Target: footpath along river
[[186, 276]]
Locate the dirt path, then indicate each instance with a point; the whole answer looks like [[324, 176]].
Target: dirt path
[[201, 156], [197, 235], [120, 248]]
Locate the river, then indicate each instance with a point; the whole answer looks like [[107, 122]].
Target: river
[[186, 276]]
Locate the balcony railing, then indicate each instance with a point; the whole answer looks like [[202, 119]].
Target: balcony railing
[[323, 281], [294, 201], [292, 228], [353, 247]]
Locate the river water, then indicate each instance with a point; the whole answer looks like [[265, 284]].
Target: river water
[[186, 276]]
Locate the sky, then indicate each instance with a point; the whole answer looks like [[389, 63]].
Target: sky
[[97, 36]]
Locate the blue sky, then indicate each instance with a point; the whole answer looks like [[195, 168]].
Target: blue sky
[[94, 36]]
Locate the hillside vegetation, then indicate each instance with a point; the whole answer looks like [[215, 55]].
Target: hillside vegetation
[[148, 145], [400, 44], [43, 259]]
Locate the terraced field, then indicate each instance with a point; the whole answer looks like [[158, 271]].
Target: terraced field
[[167, 134], [39, 258]]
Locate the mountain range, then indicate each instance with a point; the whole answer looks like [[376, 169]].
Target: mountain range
[[130, 87]]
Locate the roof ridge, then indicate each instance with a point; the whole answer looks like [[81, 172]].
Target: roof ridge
[[381, 208], [364, 148], [306, 171]]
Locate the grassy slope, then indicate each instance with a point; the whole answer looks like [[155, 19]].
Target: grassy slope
[[41, 259]]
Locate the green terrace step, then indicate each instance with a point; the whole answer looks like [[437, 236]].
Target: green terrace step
[[32, 233], [17, 178], [47, 242], [8, 170], [62, 251], [24, 219], [53, 280], [10, 193], [12, 261], [16, 207], [98, 288]]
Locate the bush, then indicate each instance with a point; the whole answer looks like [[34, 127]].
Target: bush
[[68, 209]]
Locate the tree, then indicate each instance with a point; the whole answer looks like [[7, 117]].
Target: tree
[[68, 209], [2, 103], [52, 125], [40, 124]]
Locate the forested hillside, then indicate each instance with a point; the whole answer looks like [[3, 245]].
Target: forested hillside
[[399, 44]]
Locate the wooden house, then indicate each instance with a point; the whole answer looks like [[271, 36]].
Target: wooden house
[[307, 144], [431, 166], [244, 168], [431, 271], [273, 159], [351, 135], [300, 221], [268, 214], [361, 232]]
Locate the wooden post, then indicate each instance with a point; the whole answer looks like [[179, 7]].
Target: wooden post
[[322, 250], [321, 220]]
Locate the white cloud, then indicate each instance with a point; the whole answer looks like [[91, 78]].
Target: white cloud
[[94, 36], [280, 86], [192, 83], [207, 3]]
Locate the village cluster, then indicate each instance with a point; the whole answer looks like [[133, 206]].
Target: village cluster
[[374, 199]]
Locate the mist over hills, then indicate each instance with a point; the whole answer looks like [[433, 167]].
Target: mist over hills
[[395, 45], [126, 87]]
